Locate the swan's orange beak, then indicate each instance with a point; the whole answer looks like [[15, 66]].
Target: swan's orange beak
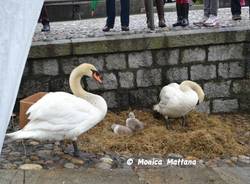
[[97, 76]]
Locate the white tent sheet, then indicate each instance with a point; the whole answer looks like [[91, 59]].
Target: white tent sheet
[[18, 19]]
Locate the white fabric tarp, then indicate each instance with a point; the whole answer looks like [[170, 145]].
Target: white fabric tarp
[[18, 19]]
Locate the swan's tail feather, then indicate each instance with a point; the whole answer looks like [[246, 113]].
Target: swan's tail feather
[[15, 136], [156, 108]]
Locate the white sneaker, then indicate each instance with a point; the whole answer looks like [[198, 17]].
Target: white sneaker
[[201, 21], [212, 21]]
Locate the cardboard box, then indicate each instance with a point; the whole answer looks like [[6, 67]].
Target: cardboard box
[[25, 105]]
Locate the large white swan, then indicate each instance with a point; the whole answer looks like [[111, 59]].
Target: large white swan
[[60, 115], [177, 100]]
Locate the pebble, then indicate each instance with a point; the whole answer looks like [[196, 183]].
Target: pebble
[[77, 161], [191, 158], [244, 159], [34, 143], [9, 166], [174, 155], [45, 154], [34, 158], [103, 165], [30, 167], [69, 166]]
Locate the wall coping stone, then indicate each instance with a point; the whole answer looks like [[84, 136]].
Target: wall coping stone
[[139, 42]]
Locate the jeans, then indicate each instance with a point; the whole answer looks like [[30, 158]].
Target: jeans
[[210, 7], [110, 8], [235, 7]]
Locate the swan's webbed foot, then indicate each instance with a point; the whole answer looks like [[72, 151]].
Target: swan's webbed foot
[[183, 122], [76, 150]]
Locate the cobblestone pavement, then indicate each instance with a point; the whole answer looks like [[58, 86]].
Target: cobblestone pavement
[[93, 27]]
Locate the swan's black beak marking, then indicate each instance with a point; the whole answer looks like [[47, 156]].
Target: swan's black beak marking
[[198, 102]]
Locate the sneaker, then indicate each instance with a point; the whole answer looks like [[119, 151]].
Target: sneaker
[[201, 21], [46, 28], [212, 21], [125, 28], [236, 17]]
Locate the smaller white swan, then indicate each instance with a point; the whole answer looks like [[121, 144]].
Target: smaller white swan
[[60, 115], [177, 100]]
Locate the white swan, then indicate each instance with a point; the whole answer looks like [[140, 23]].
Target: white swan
[[177, 100], [60, 115]]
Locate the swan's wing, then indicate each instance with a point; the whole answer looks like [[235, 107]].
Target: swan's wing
[[171, 91], [60, 111]]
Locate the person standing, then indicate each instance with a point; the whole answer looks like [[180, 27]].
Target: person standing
[[111, 11], [44, 19], [182, 9], [209, 18], [160, 11], [236, 9]]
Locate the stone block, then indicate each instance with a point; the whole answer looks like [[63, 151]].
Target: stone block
[[217, 89], [231, 70], [27, 69], [143, 97], [242, 87], [167, 57], [220, 106], [140, 59], [244, 102], [126, 79], [248, 68], [45, 67], [204, 107], [193, 55], [59, 84], [146, 78], [110, 81], [31, 86], [116, 62], [111, 99], [177, 74], [93, 85], [205, 72], [68, 64], [97, 61], [225, 52]]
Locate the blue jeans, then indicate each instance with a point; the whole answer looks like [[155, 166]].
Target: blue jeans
[[110, 9]]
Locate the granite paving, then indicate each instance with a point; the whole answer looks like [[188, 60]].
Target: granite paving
[[92, 28]]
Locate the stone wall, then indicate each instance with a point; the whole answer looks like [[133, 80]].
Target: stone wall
[[134, 75]]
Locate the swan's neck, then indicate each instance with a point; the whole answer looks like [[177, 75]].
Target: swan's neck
[[187, 85], [77, 89]]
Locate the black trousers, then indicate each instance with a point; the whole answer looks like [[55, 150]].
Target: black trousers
[[110, 8], [44, 18], [235, 7]]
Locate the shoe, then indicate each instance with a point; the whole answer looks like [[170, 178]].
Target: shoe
[[236, 17], [106, 28], [160, 12], [201, 21], [212, 21], [162, 23], [46, 28], [185, 11], [125, 28], [179, 16], [184, 22]]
